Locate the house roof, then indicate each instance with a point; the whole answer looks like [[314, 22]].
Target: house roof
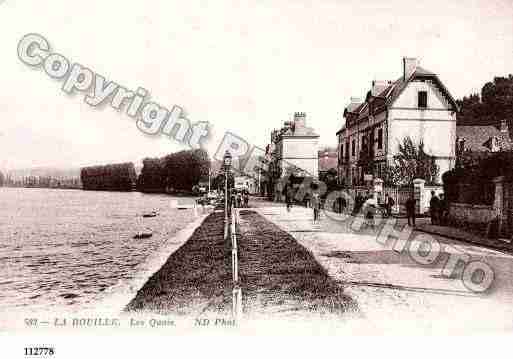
[[341, 129], [384, 93], [293, 129], [353, 106], [400, 84], [394, 89], [420, 71], [304, 131], [478, 138]]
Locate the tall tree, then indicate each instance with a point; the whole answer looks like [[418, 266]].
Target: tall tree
[[112, 177], [410, 163], [178, 171], [2, 178], [494, 104]]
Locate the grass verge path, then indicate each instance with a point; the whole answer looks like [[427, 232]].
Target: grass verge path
[[280, 277]]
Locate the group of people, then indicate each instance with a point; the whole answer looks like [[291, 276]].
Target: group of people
[[313, 200], [240, 199], [368, 205], [438, 209]]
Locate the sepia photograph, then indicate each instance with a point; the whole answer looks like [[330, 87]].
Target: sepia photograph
[[194, 170]]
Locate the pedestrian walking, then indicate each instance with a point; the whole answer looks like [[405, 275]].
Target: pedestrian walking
[[369, 210], [289, 196], [410, 210], [434, 208], [444, 210], [389, 204], [316, 205], [246, 199], [358, 202]]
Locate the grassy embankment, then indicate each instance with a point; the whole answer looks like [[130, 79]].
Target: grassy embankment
[[278, 275]]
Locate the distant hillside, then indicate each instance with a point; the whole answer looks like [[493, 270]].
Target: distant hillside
[[53, 171], [45, 172]]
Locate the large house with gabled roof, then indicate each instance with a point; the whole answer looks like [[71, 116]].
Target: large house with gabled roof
[[417, 105]]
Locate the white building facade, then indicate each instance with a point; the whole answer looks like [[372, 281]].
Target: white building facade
[[295, 148]]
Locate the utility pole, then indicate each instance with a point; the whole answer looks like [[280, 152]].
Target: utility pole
[[209, 175], [259, 189], [227, 162]]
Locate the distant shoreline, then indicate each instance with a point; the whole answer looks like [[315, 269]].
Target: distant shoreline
[[173, 194]]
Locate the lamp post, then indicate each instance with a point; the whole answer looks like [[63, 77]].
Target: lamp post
[[227, 162], [209, 180]]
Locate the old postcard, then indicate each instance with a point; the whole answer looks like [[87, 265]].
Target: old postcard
[[223, 168]]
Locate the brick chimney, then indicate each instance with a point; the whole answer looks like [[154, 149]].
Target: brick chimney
[[299, 119], [504, 126], [409, 67]]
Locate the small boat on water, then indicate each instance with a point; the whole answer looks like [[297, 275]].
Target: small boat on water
[[142, 235], [151, 214]]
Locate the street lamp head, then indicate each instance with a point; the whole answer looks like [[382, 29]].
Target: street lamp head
[[227, 159]]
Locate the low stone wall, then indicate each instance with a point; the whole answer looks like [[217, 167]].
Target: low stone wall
[[471, 213]]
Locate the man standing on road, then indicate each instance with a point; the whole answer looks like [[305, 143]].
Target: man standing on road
[[434, 207], [369, 209], [316, 204], [389, 203], [246, 198], [444, 210], [410, 210], [289, 196]]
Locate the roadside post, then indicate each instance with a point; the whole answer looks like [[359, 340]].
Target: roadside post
[[237, 291], [227, 163]]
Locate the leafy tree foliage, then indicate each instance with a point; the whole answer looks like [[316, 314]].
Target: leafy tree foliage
[[472, 181], [112, 177], [410, 163], [152, 177], [178, 171], [494, 104], [2, 178]]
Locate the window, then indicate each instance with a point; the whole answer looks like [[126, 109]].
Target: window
[[353, 148], [494, 145], [380, 139], [341, 151], [422, 99]]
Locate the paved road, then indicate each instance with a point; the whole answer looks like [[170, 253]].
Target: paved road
[[396, 293]]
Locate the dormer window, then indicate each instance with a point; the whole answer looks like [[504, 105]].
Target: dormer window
[[422, 99]]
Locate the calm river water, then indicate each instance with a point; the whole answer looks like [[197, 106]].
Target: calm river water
[[64, 248]]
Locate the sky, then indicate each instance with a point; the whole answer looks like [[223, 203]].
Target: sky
[[243, 66]]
